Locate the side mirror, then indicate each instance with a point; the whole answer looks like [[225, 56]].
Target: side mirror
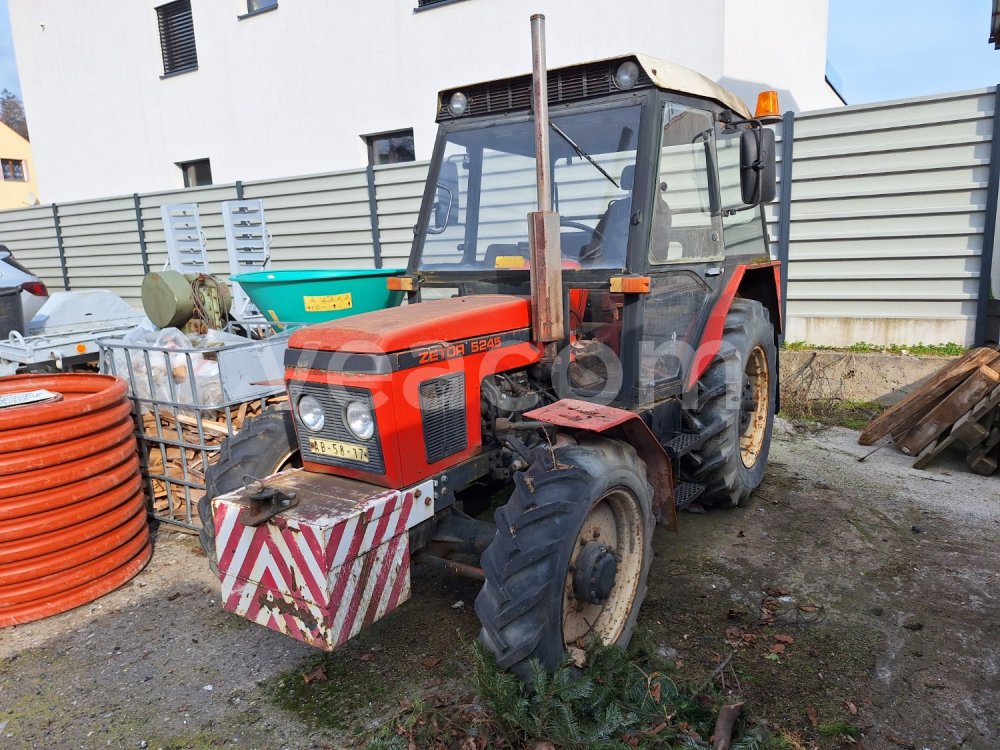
[[757, 169], [444, 212]]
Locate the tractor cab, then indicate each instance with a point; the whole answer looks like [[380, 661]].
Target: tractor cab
[[657, 180]]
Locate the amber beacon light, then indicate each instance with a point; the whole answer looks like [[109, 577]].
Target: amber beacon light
[[767, 106]]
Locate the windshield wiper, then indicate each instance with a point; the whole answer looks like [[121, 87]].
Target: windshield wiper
[[580, 152]]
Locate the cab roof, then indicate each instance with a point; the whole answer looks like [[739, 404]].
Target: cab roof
[[506, 94], [673, 77]]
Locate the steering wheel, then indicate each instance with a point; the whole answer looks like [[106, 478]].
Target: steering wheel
[[591, 250]]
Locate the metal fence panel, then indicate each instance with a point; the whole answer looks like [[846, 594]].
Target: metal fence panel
[[887, 217], [30, 233], [885, 222], [317, 221], [399, 189], [101, 245]]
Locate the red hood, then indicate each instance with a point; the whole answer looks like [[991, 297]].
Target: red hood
[[400, 328]]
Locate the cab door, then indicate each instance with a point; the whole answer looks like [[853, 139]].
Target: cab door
[[686, 249]]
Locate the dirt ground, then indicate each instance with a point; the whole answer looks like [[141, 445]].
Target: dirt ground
[[883, 582]]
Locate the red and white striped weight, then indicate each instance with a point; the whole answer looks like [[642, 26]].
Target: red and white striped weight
[[325, 569]]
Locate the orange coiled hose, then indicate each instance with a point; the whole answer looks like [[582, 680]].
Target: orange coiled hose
[[72, 514]]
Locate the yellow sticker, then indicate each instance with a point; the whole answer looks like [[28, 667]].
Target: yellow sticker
[[273, 314], [328, 302], [510, 261]]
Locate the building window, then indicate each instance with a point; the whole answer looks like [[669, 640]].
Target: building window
[[259, 6], [422, 4], [177, 37], [390, 148], [197, 172], [13, 169]]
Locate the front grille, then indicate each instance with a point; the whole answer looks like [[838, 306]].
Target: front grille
[[334, 399], [442, 409], [569, 84]]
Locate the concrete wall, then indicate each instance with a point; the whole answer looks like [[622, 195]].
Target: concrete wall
[[292, 90]]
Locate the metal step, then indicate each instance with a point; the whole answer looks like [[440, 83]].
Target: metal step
[[686, 493], [681, 444], [685, 442]]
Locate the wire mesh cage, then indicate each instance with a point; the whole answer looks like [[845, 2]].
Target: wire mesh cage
[[188, 396]]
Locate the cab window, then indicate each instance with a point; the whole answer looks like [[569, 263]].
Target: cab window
[[687, 225]]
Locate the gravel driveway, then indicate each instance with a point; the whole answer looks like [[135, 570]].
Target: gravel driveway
[[901, 564]]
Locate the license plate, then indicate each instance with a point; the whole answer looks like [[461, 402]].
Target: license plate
[[335, 448]]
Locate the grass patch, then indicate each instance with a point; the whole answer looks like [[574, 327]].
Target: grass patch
[[839, 412], [838, 728], [918, 350], [618, 701], [330, 693]]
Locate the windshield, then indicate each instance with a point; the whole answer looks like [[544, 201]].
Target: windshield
[[486, 188]]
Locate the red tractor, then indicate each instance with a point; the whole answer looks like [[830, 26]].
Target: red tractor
[[615, 360]]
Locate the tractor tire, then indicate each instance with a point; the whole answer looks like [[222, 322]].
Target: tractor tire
[[570, 557], [266, 445], [741, 384]]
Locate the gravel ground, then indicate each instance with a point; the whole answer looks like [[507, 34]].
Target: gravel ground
[[901, 563]]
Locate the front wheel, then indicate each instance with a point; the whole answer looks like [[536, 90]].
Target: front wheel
[[265, 446], [570, 557]]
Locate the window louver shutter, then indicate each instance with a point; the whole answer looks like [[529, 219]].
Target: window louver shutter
[[177, 37]]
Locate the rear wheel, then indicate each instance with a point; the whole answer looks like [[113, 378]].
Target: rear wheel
[[265, 446], [571, 555], [740, 387]]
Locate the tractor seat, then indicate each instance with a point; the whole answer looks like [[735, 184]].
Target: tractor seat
[[611, 234]]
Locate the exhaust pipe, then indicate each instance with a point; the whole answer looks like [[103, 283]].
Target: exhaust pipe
[[548, 326]]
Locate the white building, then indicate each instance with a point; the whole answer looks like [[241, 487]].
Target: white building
[[138, 95]]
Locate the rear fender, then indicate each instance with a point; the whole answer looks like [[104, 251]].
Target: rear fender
[[571, 414], [757, 281]]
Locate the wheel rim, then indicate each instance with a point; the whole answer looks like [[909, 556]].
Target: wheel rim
[[754, 406], [614, 521], [291, 460]]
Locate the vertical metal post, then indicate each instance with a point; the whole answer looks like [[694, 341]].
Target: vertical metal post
[[989, 230], [785, 208], [59, 245], [239, 190], [543, 225], [540, 105], [143, 250], [373, 214]]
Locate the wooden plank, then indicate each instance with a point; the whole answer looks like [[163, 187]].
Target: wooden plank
[[901, 416], [922, 408], [983, 458], [991, 401], [970, 434], [985, 464], [944, 416]]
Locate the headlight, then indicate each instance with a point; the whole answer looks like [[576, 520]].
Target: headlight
[[457, 104], [627, 75], [358, 418], [311, 413]]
